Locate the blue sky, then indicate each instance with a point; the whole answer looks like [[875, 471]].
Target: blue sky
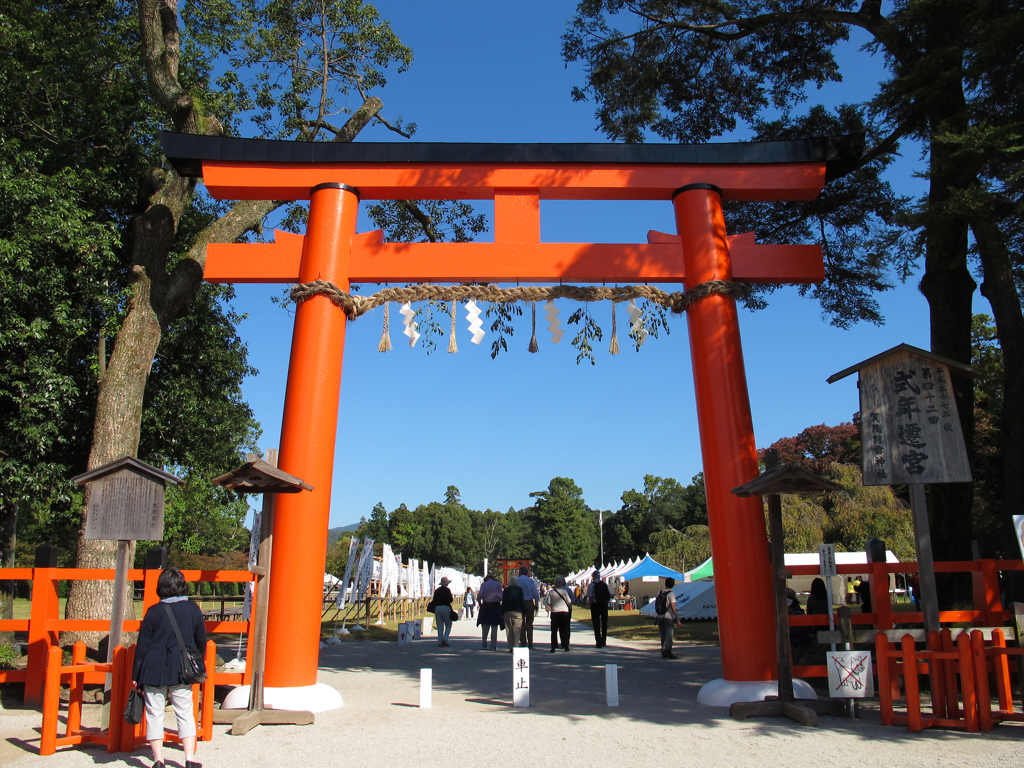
[[411, 424]]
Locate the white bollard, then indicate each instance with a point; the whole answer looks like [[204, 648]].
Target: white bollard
[[426, 679], [520, 677], [423, 626], [611, 684]]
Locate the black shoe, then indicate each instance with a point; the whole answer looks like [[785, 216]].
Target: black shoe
[[668, 655], [158, 764], [552, 650], [192, 764], [510, 650]]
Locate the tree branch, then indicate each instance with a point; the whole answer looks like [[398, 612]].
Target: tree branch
[[359, 120]]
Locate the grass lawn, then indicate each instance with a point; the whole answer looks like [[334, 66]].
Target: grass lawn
[[630, 625]]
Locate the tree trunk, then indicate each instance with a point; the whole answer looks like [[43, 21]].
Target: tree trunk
[[116, 430], [1000, 290], [949, 288]]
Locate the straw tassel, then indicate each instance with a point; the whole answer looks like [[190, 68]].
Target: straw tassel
[[533, 326], [614, 348], [385, 337], [452, 346]]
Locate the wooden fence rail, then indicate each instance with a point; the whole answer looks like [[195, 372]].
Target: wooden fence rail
[[44, 624]]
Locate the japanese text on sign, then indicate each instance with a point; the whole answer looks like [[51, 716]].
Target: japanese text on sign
[[909, 424]]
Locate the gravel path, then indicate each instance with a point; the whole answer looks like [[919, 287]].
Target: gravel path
[[472, 723]]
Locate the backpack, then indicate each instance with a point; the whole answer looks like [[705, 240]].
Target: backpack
[[661, 603], [601, 593]]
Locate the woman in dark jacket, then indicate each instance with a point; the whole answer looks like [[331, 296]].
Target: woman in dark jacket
[[157, 667], [443, 599]]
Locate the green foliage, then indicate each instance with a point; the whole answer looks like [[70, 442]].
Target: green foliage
[[848, 518], [988, 462], [564, 530], [337, 556], [682, 550], [663, 504], [9, 656]]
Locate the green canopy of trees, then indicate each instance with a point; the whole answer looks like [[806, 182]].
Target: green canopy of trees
[[691, 71]]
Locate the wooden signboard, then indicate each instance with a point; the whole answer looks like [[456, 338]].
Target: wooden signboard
[[126, 506], [910, 431]]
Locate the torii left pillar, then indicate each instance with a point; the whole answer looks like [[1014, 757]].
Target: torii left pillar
[[308, 434]]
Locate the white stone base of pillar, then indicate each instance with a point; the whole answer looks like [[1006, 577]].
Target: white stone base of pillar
[[308, 698], [725, 693]]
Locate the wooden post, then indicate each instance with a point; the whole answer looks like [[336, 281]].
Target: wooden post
[[45, 606], [1018, 622], [925, 561], [51, 703], [116, 623]]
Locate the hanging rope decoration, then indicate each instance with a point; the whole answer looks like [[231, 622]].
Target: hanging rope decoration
[[533, 328], [613, 348], [385, 337], [452, 346], [355, 305]]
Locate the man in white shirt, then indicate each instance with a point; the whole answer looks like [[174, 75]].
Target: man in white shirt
[[531, 599]]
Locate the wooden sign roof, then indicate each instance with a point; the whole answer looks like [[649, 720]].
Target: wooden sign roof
[[963, 370], [785, 478], [140, 467], [257, 476]]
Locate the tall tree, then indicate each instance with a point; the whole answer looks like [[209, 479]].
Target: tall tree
[[75, 120], [300, 69], [564, 530], [690, 71]]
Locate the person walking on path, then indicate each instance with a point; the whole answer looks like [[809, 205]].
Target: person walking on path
[[559, 602], [489, 615], [512, 611], [442, 601], [598, 596], [469, 601], [668, 617], [157, 667], [531, 600]]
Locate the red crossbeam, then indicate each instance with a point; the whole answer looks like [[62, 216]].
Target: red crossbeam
[[373, 261], [480, 181]]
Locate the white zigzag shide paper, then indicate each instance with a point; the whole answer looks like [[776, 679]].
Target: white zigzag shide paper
[[554, 327], [476, 325], [636, 323], [410, 326]]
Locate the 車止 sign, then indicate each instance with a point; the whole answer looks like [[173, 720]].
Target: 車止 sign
[[910, 431]]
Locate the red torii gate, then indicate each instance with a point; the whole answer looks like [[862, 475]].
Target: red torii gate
[[696, 178]]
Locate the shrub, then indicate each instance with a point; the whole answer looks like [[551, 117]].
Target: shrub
[[9, 655]]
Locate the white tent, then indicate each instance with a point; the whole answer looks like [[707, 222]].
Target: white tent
[[694, 600]]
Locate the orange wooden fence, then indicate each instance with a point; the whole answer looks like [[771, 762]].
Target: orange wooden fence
[[988, 609], [120, 736], [44, 624], [959, 674]]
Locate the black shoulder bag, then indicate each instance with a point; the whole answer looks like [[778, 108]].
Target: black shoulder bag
[[193, 668]]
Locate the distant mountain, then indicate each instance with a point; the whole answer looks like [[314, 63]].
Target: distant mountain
[[333, 534]]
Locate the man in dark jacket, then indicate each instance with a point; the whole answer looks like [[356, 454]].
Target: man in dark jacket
[[512, 610], [598, 596], [157, 667]]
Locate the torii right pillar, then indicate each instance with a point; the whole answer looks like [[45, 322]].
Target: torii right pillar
[[746, 611]]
